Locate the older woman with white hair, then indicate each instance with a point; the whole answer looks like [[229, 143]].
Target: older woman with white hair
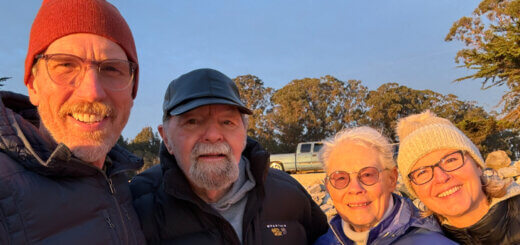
[[444, 169], [361, 178]]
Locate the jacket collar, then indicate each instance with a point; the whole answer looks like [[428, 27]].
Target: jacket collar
[[21, 140], [403, 216]]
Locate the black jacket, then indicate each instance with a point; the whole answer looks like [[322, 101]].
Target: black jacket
[[501, 225], [47, 196], [278, 209]]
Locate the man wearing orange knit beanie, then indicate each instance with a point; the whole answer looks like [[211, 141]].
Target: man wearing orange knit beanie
[[62, 178]]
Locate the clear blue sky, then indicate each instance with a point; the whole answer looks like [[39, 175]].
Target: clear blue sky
[[374, 41]]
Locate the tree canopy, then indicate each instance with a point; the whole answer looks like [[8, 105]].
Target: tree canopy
[[492, 39]]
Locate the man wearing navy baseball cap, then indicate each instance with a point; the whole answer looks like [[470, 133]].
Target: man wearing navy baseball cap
[[213, 185]]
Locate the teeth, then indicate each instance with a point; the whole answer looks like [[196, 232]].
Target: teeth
[[354, 205], [449, 192], [87, 118]]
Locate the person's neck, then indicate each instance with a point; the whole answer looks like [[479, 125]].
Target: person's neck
[[361, 228], [476, 212], [210, 196], [99, 163]]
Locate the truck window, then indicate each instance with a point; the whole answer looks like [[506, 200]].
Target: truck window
[[317, 147], [305, 148]]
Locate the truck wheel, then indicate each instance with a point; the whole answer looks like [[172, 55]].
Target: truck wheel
[[276, 165]]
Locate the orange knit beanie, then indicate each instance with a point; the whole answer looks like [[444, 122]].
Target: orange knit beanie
[[59, 18]]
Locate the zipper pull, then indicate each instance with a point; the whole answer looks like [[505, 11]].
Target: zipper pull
[[109, 222], [111, 186]]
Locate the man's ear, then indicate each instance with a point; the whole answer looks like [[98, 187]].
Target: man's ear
[[164, 137], [34, 95]]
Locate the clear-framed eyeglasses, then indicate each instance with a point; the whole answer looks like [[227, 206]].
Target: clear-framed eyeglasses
[[448, 163], [367, 176], [66, 69]]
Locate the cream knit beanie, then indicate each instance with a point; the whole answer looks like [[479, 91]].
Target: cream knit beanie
[[423, 133]]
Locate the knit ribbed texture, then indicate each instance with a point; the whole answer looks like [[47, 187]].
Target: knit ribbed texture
[[59, 18], [418, 137]]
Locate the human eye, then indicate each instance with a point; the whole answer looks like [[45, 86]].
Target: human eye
[[366, 174], [114, 68], [340, 178], [421, 173], [191, 121], [228, 123], [61, 65]]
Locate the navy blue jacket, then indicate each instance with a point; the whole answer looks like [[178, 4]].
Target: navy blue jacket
[[47, 196], [278, 209], [403, 226]]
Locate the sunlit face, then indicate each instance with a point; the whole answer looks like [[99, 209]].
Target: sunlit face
[[207, 143], [450, 194], [360, 205], [88, 119]]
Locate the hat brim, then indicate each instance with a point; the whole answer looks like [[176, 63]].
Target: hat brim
[[206, 101]]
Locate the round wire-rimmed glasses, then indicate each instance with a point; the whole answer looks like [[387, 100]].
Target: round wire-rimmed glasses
[[65, 69], [367, 176]]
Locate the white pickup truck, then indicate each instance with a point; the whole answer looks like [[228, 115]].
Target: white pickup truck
[[305, 159]]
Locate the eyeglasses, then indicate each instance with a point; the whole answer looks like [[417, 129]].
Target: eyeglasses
[[63, 69], [367, 176], [448, 163]]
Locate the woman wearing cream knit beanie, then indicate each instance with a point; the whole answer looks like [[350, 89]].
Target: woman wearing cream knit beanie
[[443, 168]]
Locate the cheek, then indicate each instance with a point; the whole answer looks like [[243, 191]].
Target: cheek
[[238, 144], [336, 195], [423, 192]]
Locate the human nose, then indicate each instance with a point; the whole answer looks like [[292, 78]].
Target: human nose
[[355, 187], [439, 175], [212, 133], [90, 85]]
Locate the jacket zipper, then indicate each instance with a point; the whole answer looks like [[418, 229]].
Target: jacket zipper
[[112, 192]]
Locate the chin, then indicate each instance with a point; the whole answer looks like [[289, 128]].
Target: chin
[[91, 153]]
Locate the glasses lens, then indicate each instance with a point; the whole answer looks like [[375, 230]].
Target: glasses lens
[[116, 74], [339, 179], [63, 68], [422, 175], [369, 175], [452, 161]]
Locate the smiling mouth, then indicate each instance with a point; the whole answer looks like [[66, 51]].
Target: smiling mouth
[[87, 118], [358, 204], [449, 191]]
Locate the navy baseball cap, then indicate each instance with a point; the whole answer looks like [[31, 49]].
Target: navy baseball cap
[[201, 87]]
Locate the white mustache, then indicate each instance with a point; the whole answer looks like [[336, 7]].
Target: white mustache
[[213, 149]]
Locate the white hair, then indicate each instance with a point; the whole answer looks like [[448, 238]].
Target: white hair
[[365, 136]]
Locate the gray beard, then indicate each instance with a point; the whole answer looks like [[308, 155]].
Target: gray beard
[[213, 176]]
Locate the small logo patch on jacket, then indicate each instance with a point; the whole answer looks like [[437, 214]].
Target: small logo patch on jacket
[[278, 229]]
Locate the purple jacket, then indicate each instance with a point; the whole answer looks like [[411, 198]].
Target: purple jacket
[[403, 226]]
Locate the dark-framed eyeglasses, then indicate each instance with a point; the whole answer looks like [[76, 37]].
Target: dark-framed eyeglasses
[[367, 176], [448, 163], [64, 69]]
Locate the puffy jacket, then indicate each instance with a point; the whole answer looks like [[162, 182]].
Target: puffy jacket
[[47, 196], [501, 225], [403, 226], [278, 209]]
